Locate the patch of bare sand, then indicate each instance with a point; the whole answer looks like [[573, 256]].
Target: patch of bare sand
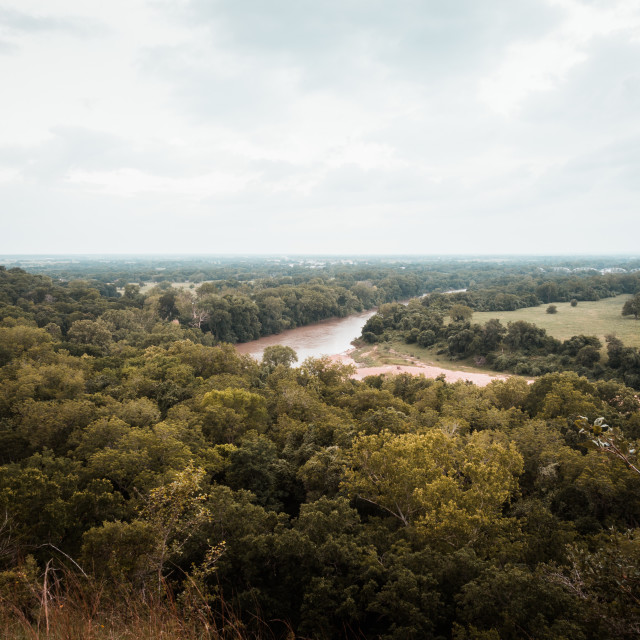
[[343, 358], [481, 379]]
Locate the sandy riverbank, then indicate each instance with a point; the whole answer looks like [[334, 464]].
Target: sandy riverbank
[[429, 371]]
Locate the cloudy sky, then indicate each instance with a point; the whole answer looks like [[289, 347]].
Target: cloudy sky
[[332, 126]]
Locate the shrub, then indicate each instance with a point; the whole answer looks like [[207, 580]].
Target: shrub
[[427, 338], [588, 356], [552, 308]]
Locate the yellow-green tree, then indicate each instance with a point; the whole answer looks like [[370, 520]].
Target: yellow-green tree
[[232, 412], [450, 490]]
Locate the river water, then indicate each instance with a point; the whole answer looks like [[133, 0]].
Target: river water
[[324, 338], [333, 337]]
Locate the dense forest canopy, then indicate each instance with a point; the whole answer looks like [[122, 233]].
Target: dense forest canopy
[[145, 463]]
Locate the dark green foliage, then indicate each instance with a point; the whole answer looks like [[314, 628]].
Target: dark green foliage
[[518, 603], [632, 307]]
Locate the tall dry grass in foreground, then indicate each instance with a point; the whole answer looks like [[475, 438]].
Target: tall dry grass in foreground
[[61, 605]]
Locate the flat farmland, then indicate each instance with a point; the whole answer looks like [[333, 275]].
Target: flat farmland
[[599, 319]]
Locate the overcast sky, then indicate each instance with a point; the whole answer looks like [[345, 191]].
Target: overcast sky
[[341, 126]]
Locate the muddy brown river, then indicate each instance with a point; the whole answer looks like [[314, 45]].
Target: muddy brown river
[[333, 337], [324, 338]]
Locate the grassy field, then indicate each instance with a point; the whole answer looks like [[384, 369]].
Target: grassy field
[[589, 318], [177, 285]]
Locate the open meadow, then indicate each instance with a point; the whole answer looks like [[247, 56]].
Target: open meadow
[[599, 319]]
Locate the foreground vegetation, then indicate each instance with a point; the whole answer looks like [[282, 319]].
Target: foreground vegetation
[[155, 483]]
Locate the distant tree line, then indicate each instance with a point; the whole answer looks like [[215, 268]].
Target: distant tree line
[[256, 300]]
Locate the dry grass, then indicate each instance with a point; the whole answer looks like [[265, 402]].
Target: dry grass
[[378, 355], [60, 605], [397, 352]]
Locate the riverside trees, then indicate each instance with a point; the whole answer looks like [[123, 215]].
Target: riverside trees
[[520, 347]]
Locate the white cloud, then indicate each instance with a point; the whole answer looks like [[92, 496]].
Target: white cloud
[[542, 64], [10, 175], [128, 183]]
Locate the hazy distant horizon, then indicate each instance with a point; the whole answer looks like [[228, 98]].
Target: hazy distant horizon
[[416, 256]]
